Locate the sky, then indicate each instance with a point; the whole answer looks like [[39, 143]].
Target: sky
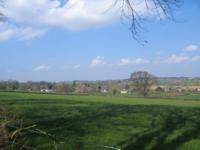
[[86, 40]]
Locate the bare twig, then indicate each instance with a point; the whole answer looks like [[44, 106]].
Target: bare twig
[[162, 8], [55, 139]]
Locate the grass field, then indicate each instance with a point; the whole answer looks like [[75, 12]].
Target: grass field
[[92, 122]]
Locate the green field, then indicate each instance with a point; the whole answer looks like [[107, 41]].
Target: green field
[[92, 122]]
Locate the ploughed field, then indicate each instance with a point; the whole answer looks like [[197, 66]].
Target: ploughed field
[[67, 122]]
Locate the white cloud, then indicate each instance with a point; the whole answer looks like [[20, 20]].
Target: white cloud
[[195, 58], [76, 66], [30, 33], [175, 59], [98, 61], [5, 35], [8, 31], [72, 15], [137, 61], [69, 67], [191, 48], [42, 68]]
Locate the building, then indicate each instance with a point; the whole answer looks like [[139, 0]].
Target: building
[[123, 92], [46, 90], [104, 91]]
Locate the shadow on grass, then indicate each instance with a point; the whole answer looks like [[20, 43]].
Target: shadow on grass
[[155, 139], [95, 120]]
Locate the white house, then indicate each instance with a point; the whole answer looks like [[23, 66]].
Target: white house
[[104, 91], [123, 92], [46, 90]]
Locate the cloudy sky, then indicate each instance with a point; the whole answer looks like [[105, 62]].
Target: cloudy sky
[[85, 39]]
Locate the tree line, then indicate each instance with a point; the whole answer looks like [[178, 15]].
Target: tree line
[[45, 86], [140, 81]]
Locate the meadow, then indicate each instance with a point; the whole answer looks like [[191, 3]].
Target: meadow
[[71, 122]]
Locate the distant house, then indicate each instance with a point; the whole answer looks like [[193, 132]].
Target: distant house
[[180, 90], [104, 91], [167, 89], [46, 90], [123, 92]]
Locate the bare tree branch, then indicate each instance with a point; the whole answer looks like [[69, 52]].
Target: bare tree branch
[[162, 8]]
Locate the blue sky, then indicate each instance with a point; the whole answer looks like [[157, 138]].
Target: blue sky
[[96, 47]]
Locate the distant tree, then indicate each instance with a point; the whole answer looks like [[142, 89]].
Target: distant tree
[[92, 89], [12, 85], [81, 88], [159, 89], [33, 86], [126, 87], [23, 87], [3, 85], [142, 81], [115, 91], [64, 87], [99, 89], [74, 84]]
